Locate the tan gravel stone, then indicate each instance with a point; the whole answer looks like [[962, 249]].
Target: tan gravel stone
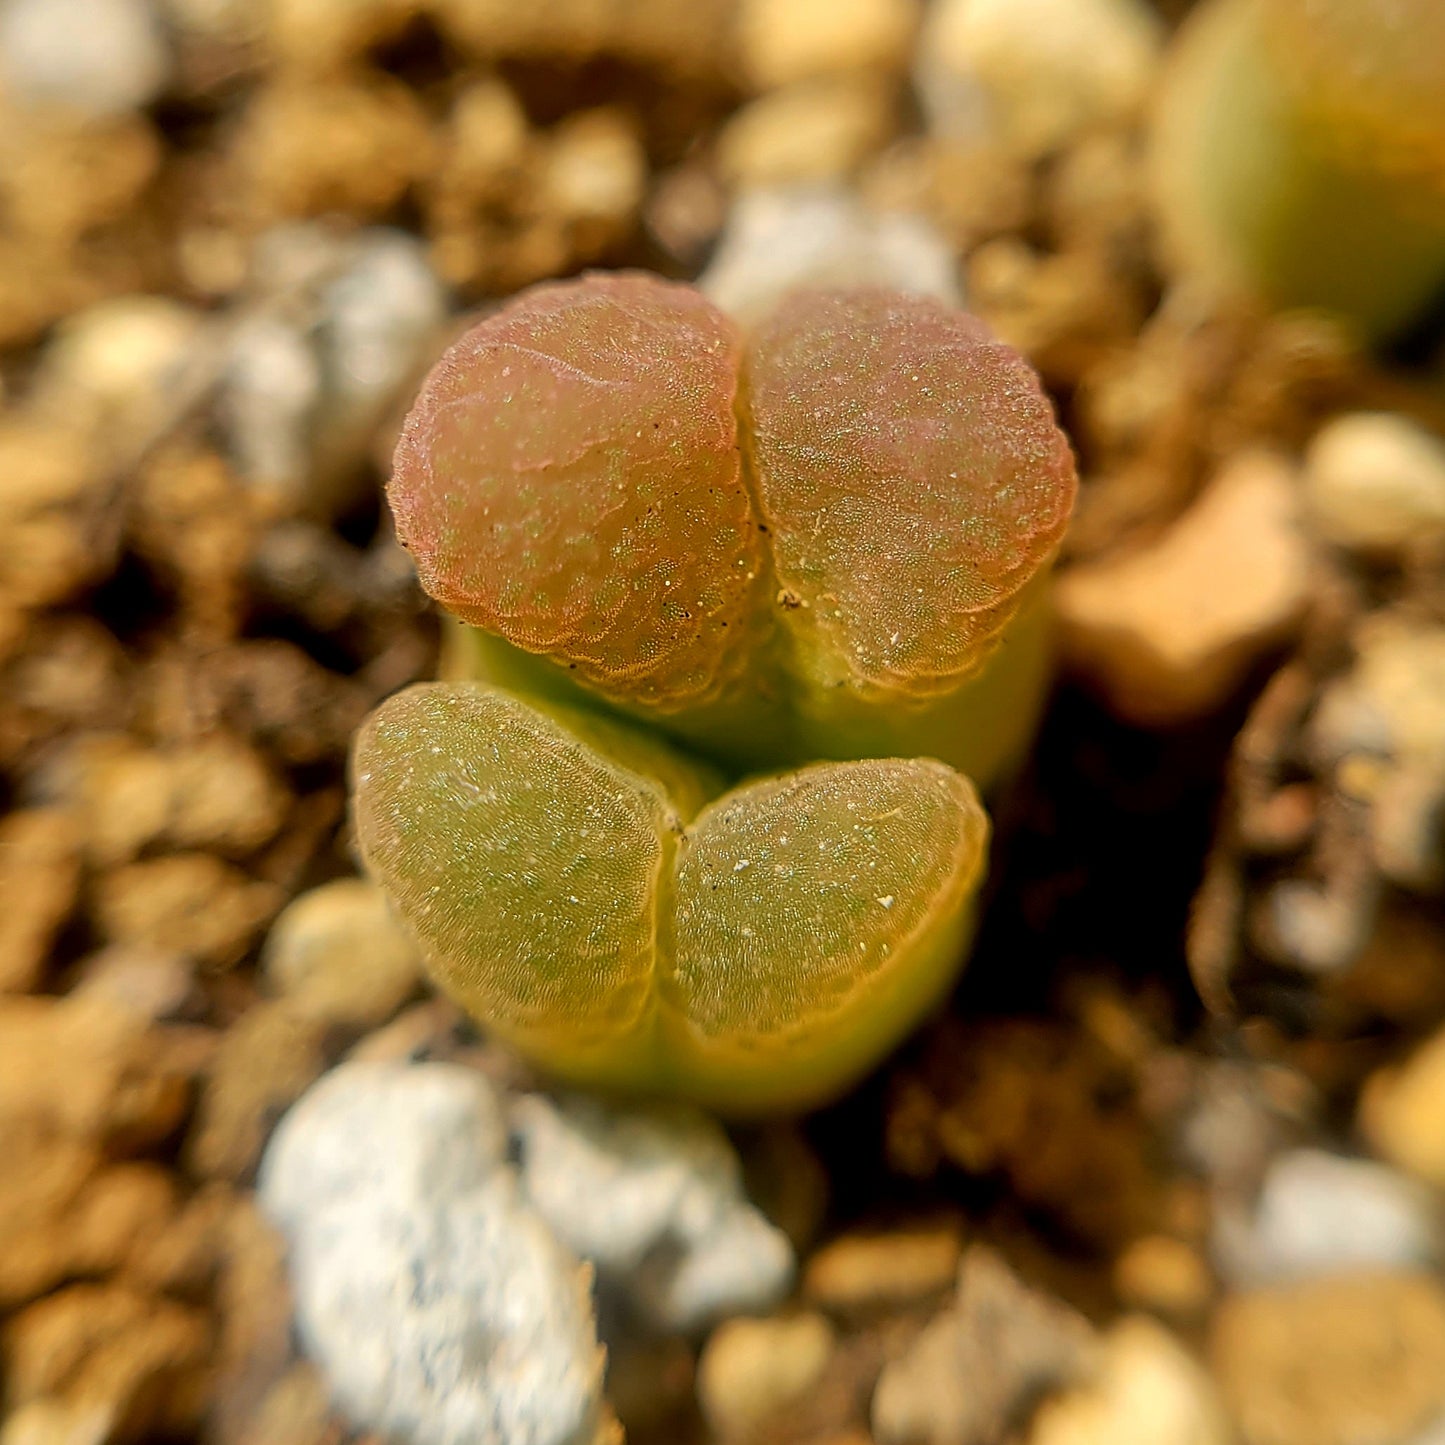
[[39, 878], [688, 38], [106, 1346], [1158, 1272], [253, 1299], [182, 1259], [223, 796], [44, 1177], [50, 491], [1375, 482], [86, 1070], [338, 951], [1402, 1112], [263, 1065], [1350, 1359], [353, 144], [969, 1373], [317, 36], [1167, 632], [786, 40], [1149, 1391], [296, 1410], [815, 130], [111, 370], [190, 902], [57, 1422], [1035, 74], [594, 168], [750, 1369], [860, 1272]]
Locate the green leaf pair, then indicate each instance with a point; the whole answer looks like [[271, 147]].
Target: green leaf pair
[[586, 891]]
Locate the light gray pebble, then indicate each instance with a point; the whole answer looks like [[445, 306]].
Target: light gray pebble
[[737, 1264], [392, 1134], [1318, 1213], [653, 1197], [1230, 1129], [377, 316], [778, 239], [379, 322], [94, 57], [465, 1323], [441, 1308], [268, 400], [338, 328], [293, 259], [1320, 930]]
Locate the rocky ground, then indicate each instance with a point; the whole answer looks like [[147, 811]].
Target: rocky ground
[[1170, 1168]]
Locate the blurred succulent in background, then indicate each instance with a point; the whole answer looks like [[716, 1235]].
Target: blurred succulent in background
[[828, 539], [1299, 153]]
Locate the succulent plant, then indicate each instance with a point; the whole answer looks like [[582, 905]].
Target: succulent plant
[[679, 556], [1299, 153]]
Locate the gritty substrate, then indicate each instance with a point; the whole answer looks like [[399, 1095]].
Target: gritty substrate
[[1213, 932]]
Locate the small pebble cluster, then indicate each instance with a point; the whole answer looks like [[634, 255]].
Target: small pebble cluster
[[402, 1169], [1170, 1169]]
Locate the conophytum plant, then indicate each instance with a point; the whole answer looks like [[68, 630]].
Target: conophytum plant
[[740, 622], [1299, 153]]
